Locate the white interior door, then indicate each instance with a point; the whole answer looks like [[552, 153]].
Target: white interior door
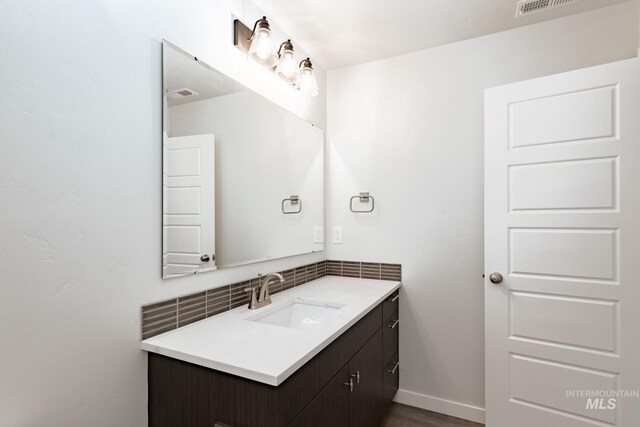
[[188, 205], [562, 225]]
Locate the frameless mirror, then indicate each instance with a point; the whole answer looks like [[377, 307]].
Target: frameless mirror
[[242, 178]]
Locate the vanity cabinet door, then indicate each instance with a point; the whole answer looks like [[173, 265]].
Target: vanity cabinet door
[[300, 388], [330, 407], [365, 401]]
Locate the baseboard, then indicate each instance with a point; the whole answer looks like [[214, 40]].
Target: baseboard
[[442, 406]]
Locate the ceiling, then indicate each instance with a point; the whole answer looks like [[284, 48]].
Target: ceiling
[[340, 33], [183, 71]]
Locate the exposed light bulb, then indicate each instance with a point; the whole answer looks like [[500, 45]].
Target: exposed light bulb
[[287, 68], [287, 65], [307, 83], [262, 46], [261, 49]]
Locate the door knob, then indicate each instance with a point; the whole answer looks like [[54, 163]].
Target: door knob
[[496, 278], [204, 258]]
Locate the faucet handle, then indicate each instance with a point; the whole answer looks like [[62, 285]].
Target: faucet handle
[[253, 302]]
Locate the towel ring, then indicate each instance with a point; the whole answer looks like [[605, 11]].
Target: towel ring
[[293, 200], [364, 198]]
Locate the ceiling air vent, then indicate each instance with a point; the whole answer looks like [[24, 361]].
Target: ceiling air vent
[[181, 93], [527, 7]]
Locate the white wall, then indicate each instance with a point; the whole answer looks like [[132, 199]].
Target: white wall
[[80, 196], [409, 130], [263, 155]]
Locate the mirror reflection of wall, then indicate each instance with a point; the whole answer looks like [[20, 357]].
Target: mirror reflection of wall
[[230, 159]]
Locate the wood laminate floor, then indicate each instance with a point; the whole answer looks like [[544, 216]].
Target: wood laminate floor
[[407, 416]]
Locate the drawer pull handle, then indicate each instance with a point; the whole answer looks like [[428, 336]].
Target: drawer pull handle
[[356, 376], [219, 424], [395, 298], [394, 324], [395, 368], [349, 384]]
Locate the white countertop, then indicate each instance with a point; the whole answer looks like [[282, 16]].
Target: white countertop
[[228, 342]]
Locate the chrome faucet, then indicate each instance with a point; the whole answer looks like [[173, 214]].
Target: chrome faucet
[[257, 301]]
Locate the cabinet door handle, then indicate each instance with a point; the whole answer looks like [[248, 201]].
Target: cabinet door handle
[[394, 324], [349, 384], [356, 376], [395, 298], [219, 424], [395, 368]]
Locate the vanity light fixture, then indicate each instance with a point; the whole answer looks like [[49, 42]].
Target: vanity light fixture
[[261, 49], [256, 44], [307, 83], [286, 68]]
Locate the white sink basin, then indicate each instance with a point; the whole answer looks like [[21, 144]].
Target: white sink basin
[[299, 314]]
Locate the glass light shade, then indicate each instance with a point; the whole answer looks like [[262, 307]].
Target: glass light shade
[[287, 68], [261, 49], [307, 83]]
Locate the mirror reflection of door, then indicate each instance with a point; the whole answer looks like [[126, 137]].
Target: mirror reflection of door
[[188, 205]]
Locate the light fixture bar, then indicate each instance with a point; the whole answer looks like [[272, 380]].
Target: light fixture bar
[[241, 36], [257, 44]]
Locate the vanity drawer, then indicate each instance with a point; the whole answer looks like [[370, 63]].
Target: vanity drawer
[[390, 337], [390, 305], [391, 379]]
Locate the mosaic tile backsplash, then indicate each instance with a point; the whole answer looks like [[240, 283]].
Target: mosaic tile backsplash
[[174, 313]]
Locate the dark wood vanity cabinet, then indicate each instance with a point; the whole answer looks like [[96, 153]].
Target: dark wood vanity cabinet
[[350, 383]]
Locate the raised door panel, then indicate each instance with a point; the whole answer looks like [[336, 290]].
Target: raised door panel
[[544, 252], [544, 383], [564, 185], [574, 116], [365, 402], [330, 407], [583, 323]]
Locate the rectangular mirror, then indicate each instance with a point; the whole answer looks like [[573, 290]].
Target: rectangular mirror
[[242, 178]]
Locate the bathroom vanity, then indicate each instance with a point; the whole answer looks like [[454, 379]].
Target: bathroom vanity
[[278, 366]]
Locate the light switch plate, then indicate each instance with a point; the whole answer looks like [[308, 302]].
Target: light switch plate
[[318, 234], [337, 235]]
